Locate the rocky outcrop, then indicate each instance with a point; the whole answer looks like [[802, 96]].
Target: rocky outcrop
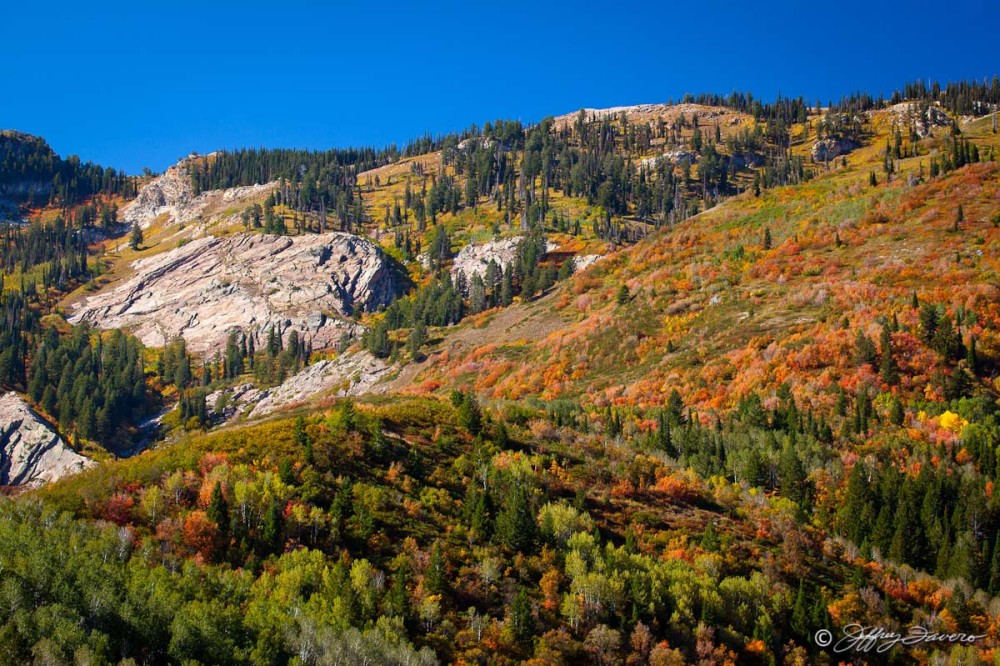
[[31, 453], [172, 194], [669, 157], [921, 118], [825, 150], [168, 193], [348, 374], [211, 285], [475, 257], [585, 261]]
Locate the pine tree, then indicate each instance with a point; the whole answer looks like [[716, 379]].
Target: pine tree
[[135, 237], [792, 474], [800, 613], [675, 408], [470, 416], [303, 439], [515, 524], [994, 579], [889, 370], [522, 622], [929, 319], [767, 238], [972, 356], [436, 578], [218, 509], [270, 533], [397, 601], [896, 413], [507, 288], [417, 339]]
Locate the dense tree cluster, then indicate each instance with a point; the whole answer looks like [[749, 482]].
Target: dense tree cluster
[[91, 384], [31, 172], [961, 97], [487, 542], [59, 246], [19, 327]]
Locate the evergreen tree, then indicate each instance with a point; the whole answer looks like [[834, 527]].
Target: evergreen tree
[[469, 414], [218, 509], [896, 413], [522, 621], [515, 524], [417, 339], [800, 613], [270, 533], [889, 369], [436, 578], [135, 238]]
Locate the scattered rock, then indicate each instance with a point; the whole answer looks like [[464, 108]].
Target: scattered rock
[[31, 453], [921, 118], [205, 288], [239, 400]]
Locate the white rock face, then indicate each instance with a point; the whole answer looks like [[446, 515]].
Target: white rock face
[[475, 258], [672, 156], [31, 453], [348, 374], [827, 149], [172, 193], [584, 261], [204, 289]]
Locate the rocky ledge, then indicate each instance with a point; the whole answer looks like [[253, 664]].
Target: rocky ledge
[[31, 453], [475, 258], [212, 285], [348, 374], [172, 194]]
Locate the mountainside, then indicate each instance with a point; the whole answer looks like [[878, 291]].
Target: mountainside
[[665, 383], [31, 453]]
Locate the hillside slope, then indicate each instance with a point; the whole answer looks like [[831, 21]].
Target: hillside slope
[[769, 408]]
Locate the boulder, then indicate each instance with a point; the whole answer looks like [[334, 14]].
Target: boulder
[[825, 150]]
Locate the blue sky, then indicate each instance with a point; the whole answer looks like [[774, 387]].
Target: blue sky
[[142, 84]]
